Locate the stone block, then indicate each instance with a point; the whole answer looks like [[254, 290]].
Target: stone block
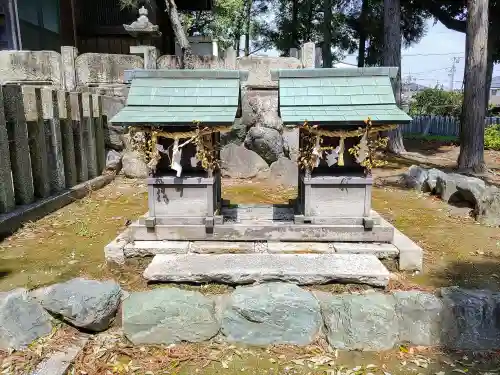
[[300, 247], [102, 68], [100, 142], [134, 165], [168, 316], [149, 248], [278, 212], [114, 251], [266, 142], [42, 67], [68, 143], [420, 318], [86, 304], [7, 198], [89, 135], [248, 268], [360, 322], [78, 136], [68, 57], [221, 247], [380, 250], [268, 314], [239, 162], [308, 55], [410, 254], [260, 68], [22, 320], [284, 172], [470, 319]]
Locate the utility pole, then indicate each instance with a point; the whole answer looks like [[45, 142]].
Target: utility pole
[[453, 70]]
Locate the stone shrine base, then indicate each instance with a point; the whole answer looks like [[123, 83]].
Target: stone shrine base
[[243, 250]]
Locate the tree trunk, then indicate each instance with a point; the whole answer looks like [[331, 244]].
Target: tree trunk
[[294, 43], [327, 34], [490, 64], [187, 61], [471, 155], [365, 8], [392, 57], [248, 20]]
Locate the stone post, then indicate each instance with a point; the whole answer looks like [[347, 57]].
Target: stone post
[[68, 145], [32, 99], [215, 48], [99, 132], [7, 198], [230, 58], [294, 52], [68, 57], [76, 119], [319, 58], [308, 55], [149, 53], [89, 139], [52, 123], [19, 144]]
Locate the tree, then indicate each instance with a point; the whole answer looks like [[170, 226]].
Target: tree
[[471, 155], [327, 33], [437, 102], [392, 58]]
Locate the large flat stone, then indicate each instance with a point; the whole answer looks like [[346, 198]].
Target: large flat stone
[[380, 250], [249, 268], [148, 248]]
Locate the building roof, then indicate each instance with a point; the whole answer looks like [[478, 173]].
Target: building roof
[[181, 97], [338, 96]]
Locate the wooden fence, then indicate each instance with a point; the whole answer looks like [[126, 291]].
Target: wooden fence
[[50, 141], [439, 125]]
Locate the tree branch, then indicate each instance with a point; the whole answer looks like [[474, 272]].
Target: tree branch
[[443, 17]]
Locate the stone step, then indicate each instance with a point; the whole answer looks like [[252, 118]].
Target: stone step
[[278, 212], [303, 269]]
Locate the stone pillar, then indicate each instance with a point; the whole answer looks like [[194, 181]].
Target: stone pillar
[[32, 99], [230, 58], [7, 198], [50, 107], [99, 132], [308, 55], [89, 139], [215, 48], [319, 58], [294, 52], [68, 57], [149, 53], [68, 145], [76, 119], [19, 144]]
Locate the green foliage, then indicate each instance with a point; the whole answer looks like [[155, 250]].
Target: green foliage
[[492, 137], [437, 102]]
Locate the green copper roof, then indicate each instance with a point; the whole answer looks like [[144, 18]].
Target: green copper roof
[[347, 96], [180, 97]]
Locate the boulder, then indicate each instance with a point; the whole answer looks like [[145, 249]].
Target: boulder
[[169, 316], [432, 176], [470, 319], [87, 304], [284, 172], [22, 320], [419, 318], [415, 177], [239, 162], [113, 161], [274, 313], [266, 142], [455, 187], [360, 321], [487, 210], [236, 135], [134, 165], [113, 137]]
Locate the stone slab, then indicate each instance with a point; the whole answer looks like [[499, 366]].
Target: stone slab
[[148, 248], [221, 247], [114, 251], [258, 212], [263, 231], [300, 247], [249, 268], [410, 254], [380, 250]]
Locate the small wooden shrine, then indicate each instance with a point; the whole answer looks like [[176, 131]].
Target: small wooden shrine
[[339, 113]]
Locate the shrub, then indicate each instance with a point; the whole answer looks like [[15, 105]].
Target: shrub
[[492, 137]]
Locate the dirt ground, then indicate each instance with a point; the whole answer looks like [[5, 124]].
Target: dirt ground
[[70, 242]]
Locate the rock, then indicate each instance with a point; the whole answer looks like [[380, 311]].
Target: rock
[[239, 162], [86, 304], [275, 313], [456, 188], [134, 165], [113, 137], [271, 120], [470, 319], [113, 161], [284, 172], [432, 175], [236, 135], [260, 108], [22, 320], [419, 318], [360, 322], [415, 177], [266, 142], [487, 210], [168, 316]]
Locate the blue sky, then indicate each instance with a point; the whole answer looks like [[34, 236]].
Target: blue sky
[[430, 60]]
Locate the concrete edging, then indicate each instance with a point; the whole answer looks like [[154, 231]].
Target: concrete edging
[[12, 221]]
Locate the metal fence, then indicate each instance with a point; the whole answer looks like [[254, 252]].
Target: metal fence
[[439, 125]]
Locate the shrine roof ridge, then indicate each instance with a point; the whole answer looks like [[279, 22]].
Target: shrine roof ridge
[[276, 74], [242, 75]]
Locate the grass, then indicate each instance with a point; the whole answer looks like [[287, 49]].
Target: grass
[[432, 137]]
